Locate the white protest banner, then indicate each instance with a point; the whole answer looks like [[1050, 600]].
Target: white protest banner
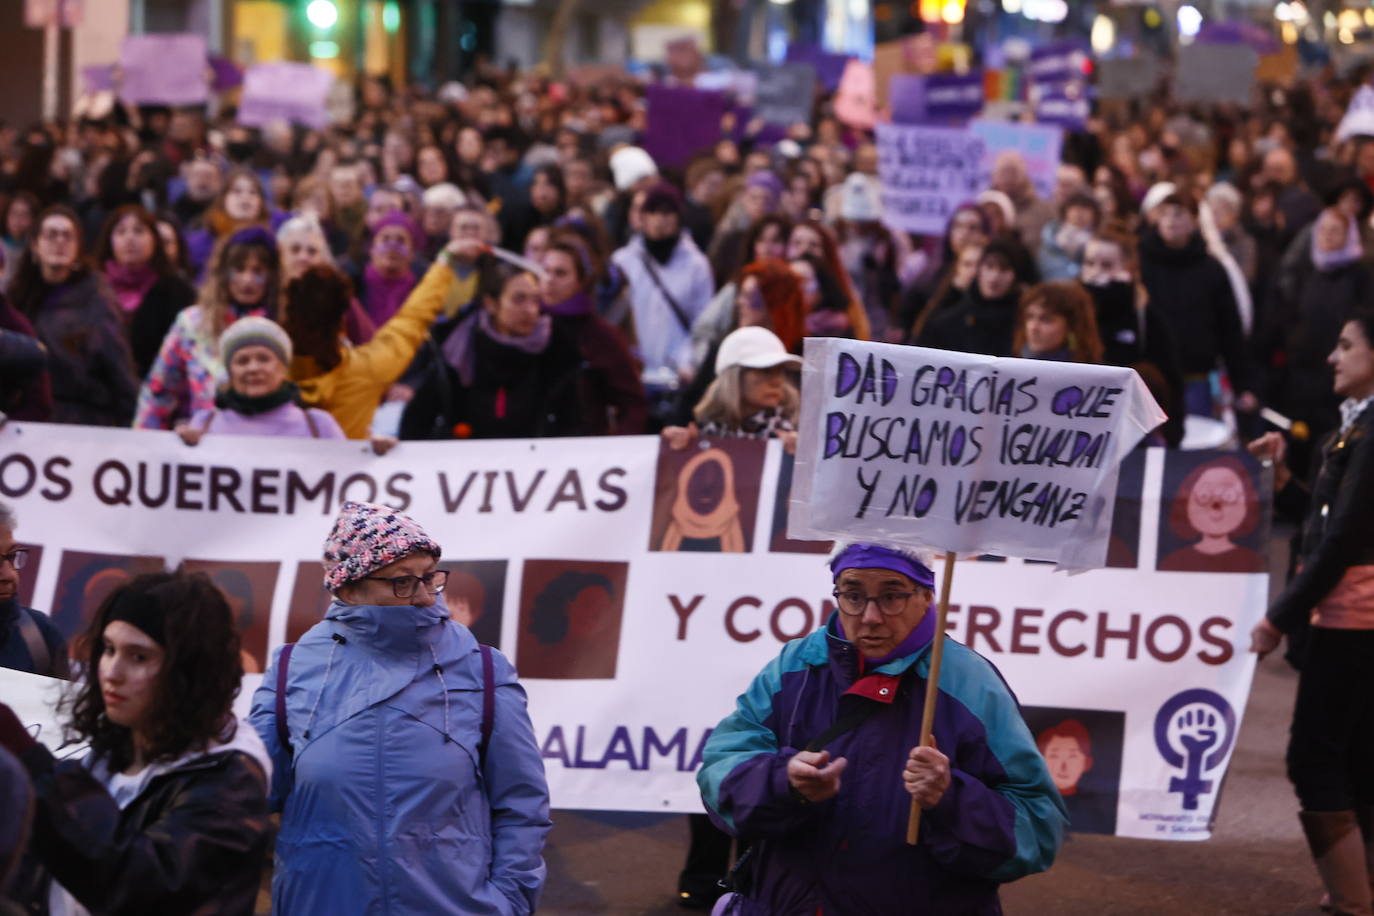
[[953, 451], [1038, 144], [665, 629], [285, 90], [926, 172]]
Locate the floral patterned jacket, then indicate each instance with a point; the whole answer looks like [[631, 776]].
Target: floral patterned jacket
[[185, 375]]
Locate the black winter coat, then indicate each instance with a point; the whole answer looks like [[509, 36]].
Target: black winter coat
[[513, 395], [150, 322], [1336, 533], [975, 325], [1131, 337], [191, 844], [1190, 290], [23, 396]]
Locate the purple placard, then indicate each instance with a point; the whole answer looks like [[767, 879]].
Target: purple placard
[[163, 70], [682, 122], [1058, 60], [98, 77], [285, 90], [943, 98], [1238, 33], [227, 74], [1070, 110], [829, 67]]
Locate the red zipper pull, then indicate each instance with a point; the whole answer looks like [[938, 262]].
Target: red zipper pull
[[500, 403]]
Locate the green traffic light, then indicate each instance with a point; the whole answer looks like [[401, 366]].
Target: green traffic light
[[323, 14]]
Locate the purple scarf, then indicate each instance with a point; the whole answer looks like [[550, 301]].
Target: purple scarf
[[130, 284], [459, 351], [385, 295], [915, 641], [581, 304]]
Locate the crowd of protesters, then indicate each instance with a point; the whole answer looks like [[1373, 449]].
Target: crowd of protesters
[[503, 259]]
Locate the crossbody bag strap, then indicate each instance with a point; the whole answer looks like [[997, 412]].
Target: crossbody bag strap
[[488, 704], [37, 645], [672, 303], [310, 422]]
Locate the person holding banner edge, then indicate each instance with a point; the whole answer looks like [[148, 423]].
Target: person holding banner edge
[[805, 783]]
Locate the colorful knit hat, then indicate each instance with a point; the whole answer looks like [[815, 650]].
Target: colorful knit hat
[[367, 537]]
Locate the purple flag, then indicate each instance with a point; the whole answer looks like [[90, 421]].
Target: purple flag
[[829, 67], [942, 98], [682, 122], [163, 70], [227, 74]]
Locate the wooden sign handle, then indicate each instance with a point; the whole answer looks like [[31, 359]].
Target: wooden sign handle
[[937, 653]]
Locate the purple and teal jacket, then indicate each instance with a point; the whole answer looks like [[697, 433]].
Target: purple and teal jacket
[[1000, 819]]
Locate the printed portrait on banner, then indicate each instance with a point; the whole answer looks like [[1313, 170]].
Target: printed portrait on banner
[[248, 587], [1210, 515], [706, 497], [570, 618], [85, 580], [1082, 749]]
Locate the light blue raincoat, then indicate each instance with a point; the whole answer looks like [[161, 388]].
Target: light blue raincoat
[[380, 813]]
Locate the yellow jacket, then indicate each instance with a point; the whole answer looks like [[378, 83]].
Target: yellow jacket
[[352, 390]]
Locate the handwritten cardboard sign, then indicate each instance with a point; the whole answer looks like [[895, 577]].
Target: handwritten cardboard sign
[[285, 91], [784, 94], [952, 451], [164, 70], [926, 172]]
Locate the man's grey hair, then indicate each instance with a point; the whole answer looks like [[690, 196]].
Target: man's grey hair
[[7, 517]]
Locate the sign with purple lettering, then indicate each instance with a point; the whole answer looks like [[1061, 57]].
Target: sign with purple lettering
[[962, 452], [285, 91], [943, 98], [682, 122], [163, 70], [925, 173], [1066, 105]]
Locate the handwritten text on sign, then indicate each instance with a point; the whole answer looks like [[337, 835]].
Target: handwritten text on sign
[[967, 453], [926, 172]]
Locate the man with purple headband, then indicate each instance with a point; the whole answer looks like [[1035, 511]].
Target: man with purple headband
[[818, 763]]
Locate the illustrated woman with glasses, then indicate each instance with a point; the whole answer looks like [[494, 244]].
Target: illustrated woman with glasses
[[1215, 504], [818, 763], [404, 762]]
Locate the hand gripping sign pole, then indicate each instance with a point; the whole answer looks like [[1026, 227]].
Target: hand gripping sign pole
[[962, 454], [937, 654]]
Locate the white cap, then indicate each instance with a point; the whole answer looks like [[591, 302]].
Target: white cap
[[753, 348], [1155, 196], [860, 201], [629, 164]]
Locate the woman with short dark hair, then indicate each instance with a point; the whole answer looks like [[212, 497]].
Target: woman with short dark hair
[[168, 811]]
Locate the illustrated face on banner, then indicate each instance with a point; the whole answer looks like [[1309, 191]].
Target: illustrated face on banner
[[706, 497], [86, 580], [1212, 517], [570, 618], [248, 587], [1083, 751], [475, 596]]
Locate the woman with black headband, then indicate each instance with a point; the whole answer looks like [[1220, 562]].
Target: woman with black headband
[[168, 811]]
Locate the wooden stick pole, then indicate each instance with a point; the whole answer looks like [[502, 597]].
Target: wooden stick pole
[[937, 653]]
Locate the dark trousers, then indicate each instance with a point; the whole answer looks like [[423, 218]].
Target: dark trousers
[[1331, 742], [708, 856]]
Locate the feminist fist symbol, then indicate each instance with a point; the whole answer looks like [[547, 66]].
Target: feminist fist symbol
[[1197, 733]]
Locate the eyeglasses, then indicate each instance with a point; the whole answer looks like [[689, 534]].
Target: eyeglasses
[[18, 557], [405, 586], [853, 604]]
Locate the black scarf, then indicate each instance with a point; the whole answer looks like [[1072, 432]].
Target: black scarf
[[229, 399], [662, 249]]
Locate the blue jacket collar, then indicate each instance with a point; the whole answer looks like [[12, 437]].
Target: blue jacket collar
[[388, 630]]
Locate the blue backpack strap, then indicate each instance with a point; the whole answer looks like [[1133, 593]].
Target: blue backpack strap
[[488, 703], [283, 661]]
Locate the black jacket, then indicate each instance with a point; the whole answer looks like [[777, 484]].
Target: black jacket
[[1336, 533], [1190, 290], [14, 649], [153, 318], [513, 395], [29, 397], [975, 325], [1131, 337], [191, 844]]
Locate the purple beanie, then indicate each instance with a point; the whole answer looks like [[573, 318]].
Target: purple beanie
[[367, 537], [397, 218], [879, 556], [766, 180]]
